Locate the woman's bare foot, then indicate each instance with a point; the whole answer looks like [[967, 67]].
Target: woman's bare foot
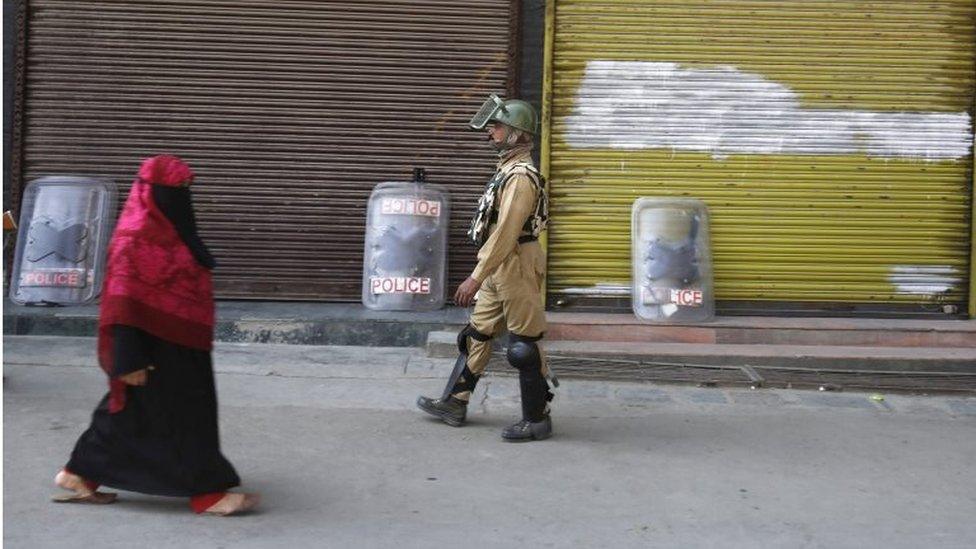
[[80, 492], [233, 504]]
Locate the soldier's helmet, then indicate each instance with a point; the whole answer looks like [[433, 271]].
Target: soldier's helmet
[[513, 112]]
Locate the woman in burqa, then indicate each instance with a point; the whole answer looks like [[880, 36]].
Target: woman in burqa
[[155, 432]]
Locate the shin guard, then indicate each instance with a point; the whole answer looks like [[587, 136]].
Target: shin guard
[[523, 355], [462, 379]]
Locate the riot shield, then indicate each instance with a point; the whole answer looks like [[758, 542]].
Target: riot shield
[[671, 260], [65, 226], [404, 264]]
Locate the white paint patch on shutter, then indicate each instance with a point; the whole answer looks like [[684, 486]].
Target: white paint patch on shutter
[[723, 111], [925, 279]]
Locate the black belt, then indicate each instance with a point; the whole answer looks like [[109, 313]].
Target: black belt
[[527, 238]]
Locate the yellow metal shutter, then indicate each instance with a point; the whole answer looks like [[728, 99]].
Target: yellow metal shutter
[[289, 112], [832, 141]]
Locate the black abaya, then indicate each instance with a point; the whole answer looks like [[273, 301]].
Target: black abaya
[[165, 441]]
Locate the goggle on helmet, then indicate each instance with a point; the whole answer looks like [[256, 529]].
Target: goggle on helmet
[[514, 112]]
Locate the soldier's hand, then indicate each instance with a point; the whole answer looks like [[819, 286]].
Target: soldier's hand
[[464, 296], [139, 377]]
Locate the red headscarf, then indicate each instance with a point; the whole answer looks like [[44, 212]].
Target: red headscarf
[[152, 281]]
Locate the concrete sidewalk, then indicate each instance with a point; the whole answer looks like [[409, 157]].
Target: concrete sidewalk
[[330, 437], [291, 322]]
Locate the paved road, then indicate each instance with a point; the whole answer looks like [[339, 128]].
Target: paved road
[[330, 437]]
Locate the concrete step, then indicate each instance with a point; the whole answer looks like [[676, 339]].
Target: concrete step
[[442, 344], [828, 367], [352, 324], [847, 357], [766, 330]]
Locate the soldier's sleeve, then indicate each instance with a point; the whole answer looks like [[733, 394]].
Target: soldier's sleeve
[[517, 202]]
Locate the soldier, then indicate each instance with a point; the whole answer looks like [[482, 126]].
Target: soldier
[[508, 279]]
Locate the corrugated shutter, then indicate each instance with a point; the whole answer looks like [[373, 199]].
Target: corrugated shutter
[[288, 111], [832, 141]]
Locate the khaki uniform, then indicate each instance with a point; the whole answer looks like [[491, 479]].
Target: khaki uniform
[[511, 273]]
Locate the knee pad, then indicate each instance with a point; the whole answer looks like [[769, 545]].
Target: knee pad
[[523, 353], [468, 331]]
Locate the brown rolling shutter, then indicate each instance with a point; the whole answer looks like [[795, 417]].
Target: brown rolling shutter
[[289, 112]]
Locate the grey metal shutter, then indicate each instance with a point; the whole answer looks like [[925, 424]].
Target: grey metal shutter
[[288, 111]]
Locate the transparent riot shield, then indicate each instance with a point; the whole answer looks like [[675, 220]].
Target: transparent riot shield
[[404, 266], [671, 260], [65, 225]]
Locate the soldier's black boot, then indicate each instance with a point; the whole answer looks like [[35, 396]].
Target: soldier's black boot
[[526, 430], [451, 411], [523, 354]]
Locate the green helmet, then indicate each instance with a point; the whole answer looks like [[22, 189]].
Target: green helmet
[[514, 112]]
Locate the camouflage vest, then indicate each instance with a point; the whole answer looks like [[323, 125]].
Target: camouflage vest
[[487, 213]]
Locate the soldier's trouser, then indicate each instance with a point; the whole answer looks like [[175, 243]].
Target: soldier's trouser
[[517, 307]]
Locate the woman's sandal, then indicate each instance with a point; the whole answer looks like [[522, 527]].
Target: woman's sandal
[[80, 492], [233, 504]]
